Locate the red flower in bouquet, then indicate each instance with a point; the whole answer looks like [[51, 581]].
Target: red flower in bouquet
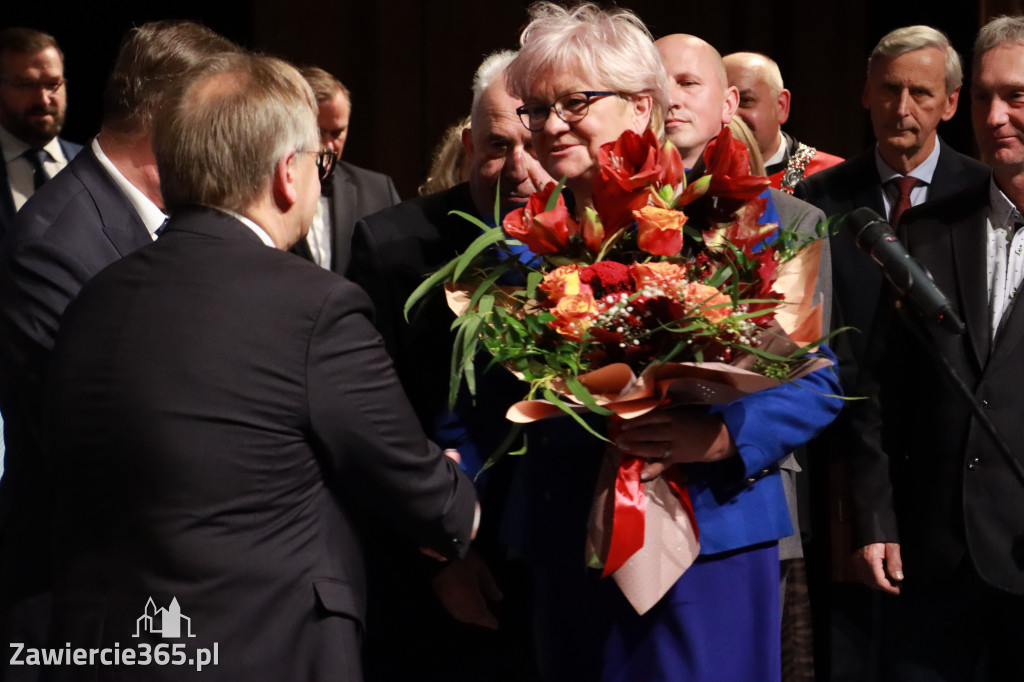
[[660, 230], [607, 277], [743, 231], [631, 168], [542, 231], [592, 229], [728, 163]]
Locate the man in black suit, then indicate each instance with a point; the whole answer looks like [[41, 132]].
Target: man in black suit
[[105, 205], [225, 410], [939, 513], [393, 251], [33, 101], [350, 193], [913, 83]]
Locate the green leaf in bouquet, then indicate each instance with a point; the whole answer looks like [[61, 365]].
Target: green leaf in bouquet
[[427, 285], [553, 398], [504, 448], [463, 354], [493, 235], [532, 280], [693, 233], [484, 288], [721, 276], [585, 396], [553, 199]]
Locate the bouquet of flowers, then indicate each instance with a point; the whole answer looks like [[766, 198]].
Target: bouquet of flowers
[[662, 290]]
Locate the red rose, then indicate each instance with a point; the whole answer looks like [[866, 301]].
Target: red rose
[[728, 163], [541, 231]]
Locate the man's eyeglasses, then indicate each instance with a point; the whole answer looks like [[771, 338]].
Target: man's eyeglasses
[[325, 159], [50, 86], [570, 107]]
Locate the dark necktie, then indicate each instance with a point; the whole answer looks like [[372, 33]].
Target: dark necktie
[[904, 184], [36, 157]]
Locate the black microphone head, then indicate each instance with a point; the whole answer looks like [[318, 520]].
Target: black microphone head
[[867, 227]]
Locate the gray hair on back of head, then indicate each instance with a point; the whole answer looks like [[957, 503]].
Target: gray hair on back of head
[[910, 38], [219, 138]]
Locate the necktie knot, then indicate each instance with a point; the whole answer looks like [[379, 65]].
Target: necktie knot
[[904, 184], [37, 157]]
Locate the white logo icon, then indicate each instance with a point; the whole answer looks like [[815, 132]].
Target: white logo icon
[[164, 622]]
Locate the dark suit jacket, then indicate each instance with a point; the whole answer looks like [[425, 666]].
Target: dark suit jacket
[[926, 473], [7, 200], [856, 279], [393, 252], [75, 225], [354, 194], [225, 410]]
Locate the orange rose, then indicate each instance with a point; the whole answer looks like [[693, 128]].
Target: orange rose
[[709, 301], [575, 313], [668, 277], [659, 230], [563, 281]]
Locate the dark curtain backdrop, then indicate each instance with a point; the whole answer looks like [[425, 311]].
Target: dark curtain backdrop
[[409, 63]]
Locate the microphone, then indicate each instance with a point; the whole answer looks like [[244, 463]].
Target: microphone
[[912, 281]]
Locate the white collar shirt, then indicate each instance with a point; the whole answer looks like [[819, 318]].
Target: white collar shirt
[[19, 169]]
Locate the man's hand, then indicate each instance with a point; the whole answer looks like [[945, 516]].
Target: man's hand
[[880, 566], [465, 588], [673, 435]]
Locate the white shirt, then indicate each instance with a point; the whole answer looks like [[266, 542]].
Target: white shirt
[[780, 152], [151, 215], [319, 237], [923, 173], [1004, 254], [19, 169]]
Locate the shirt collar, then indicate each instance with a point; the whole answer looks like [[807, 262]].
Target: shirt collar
[[151, 215], [1002, 212], [259, 231], [923, 172], [780, 153], [14, 147]]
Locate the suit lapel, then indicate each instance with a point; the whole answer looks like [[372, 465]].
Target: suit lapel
[[343, 221], [969, 261], [121, 223], [6, 198]]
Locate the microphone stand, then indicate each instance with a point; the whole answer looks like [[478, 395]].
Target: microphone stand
[[916, 325]]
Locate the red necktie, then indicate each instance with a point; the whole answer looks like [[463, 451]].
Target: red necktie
[[904, 184]]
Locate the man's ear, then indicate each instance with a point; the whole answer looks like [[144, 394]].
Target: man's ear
[[783, 102], [467, 142], [285, 191], [730, 104]]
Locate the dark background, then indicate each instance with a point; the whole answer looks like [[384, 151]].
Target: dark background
[[410, 63]]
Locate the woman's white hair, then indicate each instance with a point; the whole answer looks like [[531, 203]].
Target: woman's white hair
[[613, 46]]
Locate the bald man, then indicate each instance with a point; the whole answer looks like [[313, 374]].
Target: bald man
[[701, 102], [764, 106]]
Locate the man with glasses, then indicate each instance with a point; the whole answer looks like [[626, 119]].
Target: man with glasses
[[33, 99], [350, 193]]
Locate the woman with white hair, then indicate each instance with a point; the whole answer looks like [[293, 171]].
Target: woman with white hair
[[585, 76]]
